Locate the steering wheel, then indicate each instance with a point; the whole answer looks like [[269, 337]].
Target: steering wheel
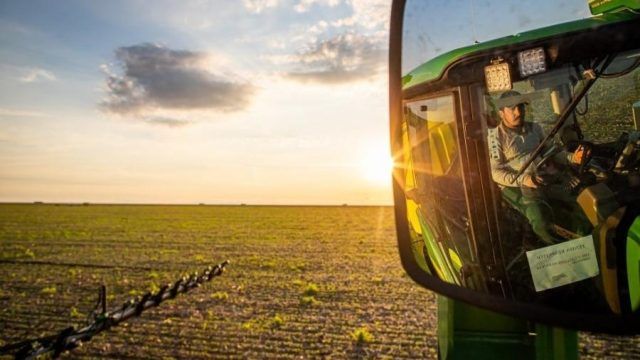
[[538, 176], [577, 173]]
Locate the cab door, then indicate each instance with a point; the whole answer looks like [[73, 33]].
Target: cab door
[[446, 215]]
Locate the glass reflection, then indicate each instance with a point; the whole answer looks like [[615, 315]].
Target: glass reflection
[[576, 193], [554, 226], [435, 195], [432, 28]]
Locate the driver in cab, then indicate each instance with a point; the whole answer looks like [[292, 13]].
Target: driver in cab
[[510, 145]]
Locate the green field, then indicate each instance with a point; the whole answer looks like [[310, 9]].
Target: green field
[[302, 281]]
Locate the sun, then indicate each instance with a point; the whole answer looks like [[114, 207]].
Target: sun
[[376, 166]]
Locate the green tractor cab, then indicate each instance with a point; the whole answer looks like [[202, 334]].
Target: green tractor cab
[[569, 242]]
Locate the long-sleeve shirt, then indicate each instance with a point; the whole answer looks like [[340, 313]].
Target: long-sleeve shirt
[[510, 149]]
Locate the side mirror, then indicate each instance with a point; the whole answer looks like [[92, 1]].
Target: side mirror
[[564, 251]]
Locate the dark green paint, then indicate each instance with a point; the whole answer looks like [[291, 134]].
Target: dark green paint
[[467, 332], [633, 264]]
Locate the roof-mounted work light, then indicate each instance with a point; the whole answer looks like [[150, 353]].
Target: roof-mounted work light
[[497, 76], [532, 62]]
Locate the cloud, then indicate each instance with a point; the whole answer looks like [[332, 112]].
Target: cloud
[[305, 5], [257, 6], [371, 13], [365, 14], [344, 58], [155, 78], [344, 22], [36, 75]]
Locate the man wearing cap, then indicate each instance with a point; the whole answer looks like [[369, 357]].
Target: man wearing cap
[[510, 145]]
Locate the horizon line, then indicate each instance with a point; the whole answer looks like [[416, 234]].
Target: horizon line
[[88, 203]]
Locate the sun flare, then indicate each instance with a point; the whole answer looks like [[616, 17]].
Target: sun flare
[[376, 167]]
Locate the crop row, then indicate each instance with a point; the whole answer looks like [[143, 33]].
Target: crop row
[[302, 282]]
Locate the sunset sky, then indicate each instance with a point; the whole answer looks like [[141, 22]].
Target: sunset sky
[[219, 102], [254, 101]]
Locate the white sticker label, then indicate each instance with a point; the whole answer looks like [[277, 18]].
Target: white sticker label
[[563, 263]]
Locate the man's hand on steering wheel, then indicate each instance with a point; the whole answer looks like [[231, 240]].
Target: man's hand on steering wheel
[[545, 171], [582, 155], [532, 181]]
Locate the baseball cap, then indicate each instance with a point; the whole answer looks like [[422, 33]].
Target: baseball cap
[[511, 98]]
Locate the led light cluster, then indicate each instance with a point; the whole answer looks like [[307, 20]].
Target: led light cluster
[[532, 62], [498, 77]]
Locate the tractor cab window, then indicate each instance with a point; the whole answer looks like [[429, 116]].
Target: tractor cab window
[[436, 204], [612, 106], [582, 180]]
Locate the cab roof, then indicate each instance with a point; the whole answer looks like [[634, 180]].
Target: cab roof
[[434, 69]]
